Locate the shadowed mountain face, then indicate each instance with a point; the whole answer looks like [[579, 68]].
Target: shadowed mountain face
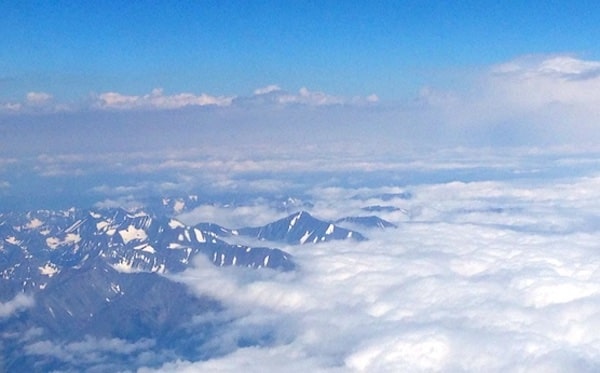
[[97, 303], [296, 229], [99, 275], [36, 246], [79, 279]]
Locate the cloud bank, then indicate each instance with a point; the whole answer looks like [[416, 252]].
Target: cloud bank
[[157, 100], [483, 275], [528, 101], [531, 99]]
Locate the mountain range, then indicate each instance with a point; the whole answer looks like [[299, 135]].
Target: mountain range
[[100, 273]]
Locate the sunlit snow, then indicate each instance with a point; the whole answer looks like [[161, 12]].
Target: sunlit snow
[[132, 233]]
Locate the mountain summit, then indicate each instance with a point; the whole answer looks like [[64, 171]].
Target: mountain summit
[[301, 228]]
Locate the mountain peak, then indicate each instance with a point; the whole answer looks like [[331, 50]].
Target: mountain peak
[[300, 228]]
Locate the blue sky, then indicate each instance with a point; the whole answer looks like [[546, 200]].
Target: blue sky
[[70, 49], [401, 73]]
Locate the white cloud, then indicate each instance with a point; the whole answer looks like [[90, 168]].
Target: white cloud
[[38, 98], [529, 100], [98, 353], [307, 97], [128, 202], [18, 303], [11, 107], [158, 100], [561, 66], [231, 216], [372, 98], [487, 276], [268, 89], [34, 102], [554, 80], [304, 96]]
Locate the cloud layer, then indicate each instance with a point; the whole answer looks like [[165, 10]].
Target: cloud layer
[[482, 275], [531, 100], [18, 303], [157, 100]]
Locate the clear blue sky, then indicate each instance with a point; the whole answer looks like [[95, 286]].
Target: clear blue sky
[[72, 48]]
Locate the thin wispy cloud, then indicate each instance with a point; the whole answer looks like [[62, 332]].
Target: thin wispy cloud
[[17, 304], [529, 100], [38, 98]]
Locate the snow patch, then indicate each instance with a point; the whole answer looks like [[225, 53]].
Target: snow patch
[[132, 233], [52, 242], [95, 215], [199, 235], [176, 224], [305, 237], [49, 269], [115, 288], [145, 247], [178, 206], [330, 229], [124, 266], [294, 221], [101, 225], [72, 238], [34, 223], [12, 240]]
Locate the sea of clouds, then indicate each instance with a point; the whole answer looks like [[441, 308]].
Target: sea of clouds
[[483, 275], [493, 266]]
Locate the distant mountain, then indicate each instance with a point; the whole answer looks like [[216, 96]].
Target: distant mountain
[[386, 197], [37, 245], [379, 208], [82, 278], [215, 230], [99, 274], [391, 196], [300, 228], [175, 205], [367, 221]]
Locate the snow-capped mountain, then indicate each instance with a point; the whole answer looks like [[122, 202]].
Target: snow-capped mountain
[[99, 275], [36, 246], [300, 228]]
